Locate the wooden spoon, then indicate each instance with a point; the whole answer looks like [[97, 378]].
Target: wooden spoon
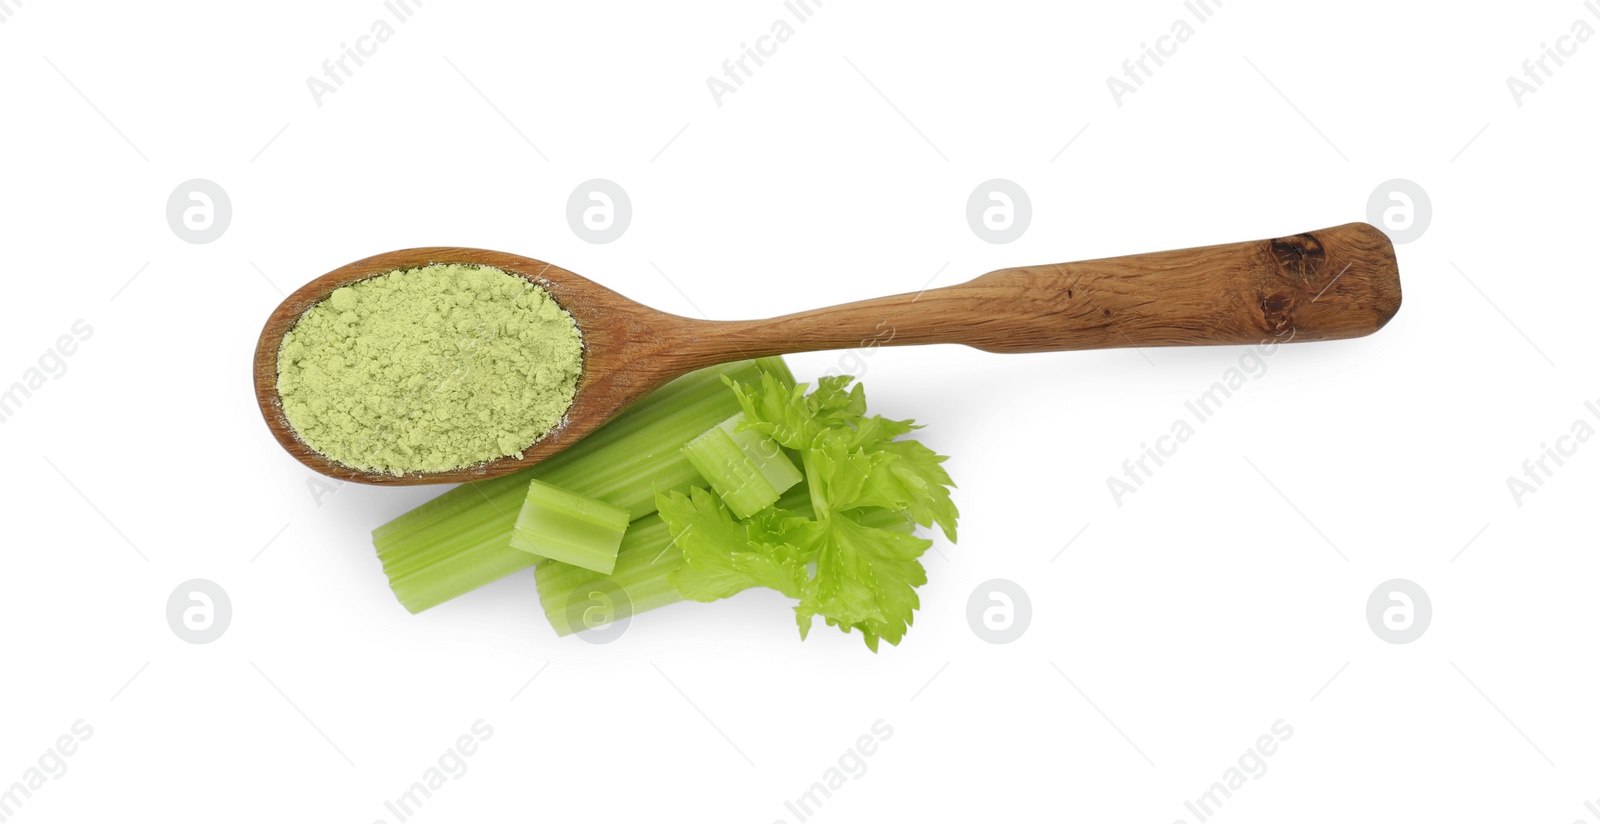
[[1335, 283]]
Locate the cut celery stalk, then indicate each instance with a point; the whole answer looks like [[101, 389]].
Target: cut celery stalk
[[747, 469], [564, 526], [460, 540], [575, 599]]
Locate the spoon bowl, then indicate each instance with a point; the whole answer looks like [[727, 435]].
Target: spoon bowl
[[621, 357], [1335, 283]]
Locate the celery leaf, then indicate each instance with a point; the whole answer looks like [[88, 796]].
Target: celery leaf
[[855, 576]]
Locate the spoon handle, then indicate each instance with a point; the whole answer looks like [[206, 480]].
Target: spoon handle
[[1341, 282]]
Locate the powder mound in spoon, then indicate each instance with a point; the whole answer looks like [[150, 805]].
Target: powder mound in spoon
[[429, 369]]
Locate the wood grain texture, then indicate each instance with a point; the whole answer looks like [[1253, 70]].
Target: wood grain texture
[[1341, 282], [1336, 283]]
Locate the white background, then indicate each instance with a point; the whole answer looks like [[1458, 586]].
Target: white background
[[1164, 640]]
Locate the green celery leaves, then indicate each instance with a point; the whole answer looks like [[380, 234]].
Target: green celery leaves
[[855, 575]]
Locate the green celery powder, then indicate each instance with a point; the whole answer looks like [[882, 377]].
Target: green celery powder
[[429, 369]]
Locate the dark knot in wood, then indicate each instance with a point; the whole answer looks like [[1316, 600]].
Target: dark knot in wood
[[1277, 311], [1299, 255]]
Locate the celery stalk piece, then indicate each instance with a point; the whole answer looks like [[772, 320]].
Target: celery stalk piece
[[747, 469], [460, 540], [564, 526], [575, 599]]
